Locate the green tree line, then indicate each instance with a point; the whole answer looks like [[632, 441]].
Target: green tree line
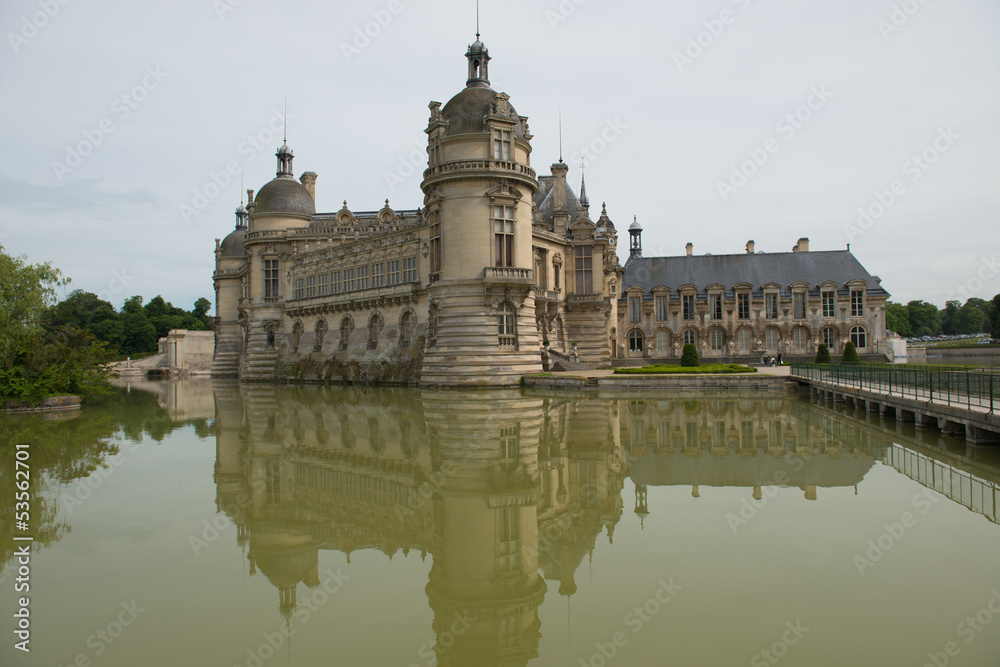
[[919, 318]]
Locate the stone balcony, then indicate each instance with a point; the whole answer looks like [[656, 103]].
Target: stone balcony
[[401, 293], [463, 167], [508, 276]]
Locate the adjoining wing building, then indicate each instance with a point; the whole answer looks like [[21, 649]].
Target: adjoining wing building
[[498, 274]]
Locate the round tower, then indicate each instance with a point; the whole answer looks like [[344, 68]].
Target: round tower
[[230, 271], [478, 190]]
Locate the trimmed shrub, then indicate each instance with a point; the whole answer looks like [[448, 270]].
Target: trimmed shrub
[[823, 354], [850, 354], [689, 358]]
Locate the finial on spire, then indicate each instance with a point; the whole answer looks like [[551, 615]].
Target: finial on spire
[[477, 20], [284, 139], [584, 201]]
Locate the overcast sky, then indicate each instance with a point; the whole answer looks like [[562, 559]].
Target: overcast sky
[[713, 121]]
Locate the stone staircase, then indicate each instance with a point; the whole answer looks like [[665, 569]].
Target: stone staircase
[[563, 362], [259, 366]]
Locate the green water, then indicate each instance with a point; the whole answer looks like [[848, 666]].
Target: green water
[[191, 523]]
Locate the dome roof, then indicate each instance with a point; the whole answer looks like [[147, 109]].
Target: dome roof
[[466, 111], [284, 195], [232, 245]]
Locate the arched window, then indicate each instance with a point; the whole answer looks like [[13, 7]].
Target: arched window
[[744, 340], [346, 329], [859, 337], [690, 338], [800, 340], [297, 335], [507, 325], [717, 339], [829, 338], [406, 326], [635, 340], [771, 339], [375, 324], [321, 329]]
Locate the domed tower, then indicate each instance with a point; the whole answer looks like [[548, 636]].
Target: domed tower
[[230, 272], [478, 190], [282, 205]]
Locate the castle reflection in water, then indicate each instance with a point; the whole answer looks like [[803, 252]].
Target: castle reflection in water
[[508, 492]]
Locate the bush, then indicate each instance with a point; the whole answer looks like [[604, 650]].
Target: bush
[[850, 354], [823, 354], [689, 358]]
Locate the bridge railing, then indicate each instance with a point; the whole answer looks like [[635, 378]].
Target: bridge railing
[[969, 387]]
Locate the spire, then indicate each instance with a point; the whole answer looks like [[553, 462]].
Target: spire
[[560, 137], [242, 215], [584, 202]]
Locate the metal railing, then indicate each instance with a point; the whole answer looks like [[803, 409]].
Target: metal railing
[[969, 387]]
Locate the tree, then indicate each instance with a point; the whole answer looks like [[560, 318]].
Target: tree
[[690, 355], [850, 354], [138, 334], [823, 354], [924, 318], [995, 317], [26, 290], [949, 318], [201, 308], [897, 318]]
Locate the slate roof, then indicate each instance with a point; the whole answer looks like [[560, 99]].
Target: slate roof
[[545, 199], [758, 269]]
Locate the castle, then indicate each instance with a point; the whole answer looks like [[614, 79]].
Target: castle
[[499, 274]]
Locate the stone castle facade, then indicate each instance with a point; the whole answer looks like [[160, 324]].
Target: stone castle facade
[[465, 290], [500, 273]]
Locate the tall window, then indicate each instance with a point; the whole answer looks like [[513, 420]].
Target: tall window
[[320, 334], [662, 303], [435, 242], [771, 338], [743, 341], [635, 309], [662, 341], [859, 337], [507, 325], [799, 305], [800, 340], [510, 441], [503, 233], [771, 306], [362, 277], [541, 273], [690, 338], [828, 304], [635, 340], [392, 272], [374, 330], [298, 288], [335, 285], [584, 269], [349, 280], [716, 306], [346, 329], [716, 338], [378, 275], [324, 284], [688, 302], [406, 326], [310, 287], [509, 529], [271, 278], [409, 269], [743, 306], [857, 303], [501, 144], [830, 338]]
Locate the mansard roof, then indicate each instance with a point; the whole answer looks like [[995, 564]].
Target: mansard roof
[[545, 199], [757, 269]]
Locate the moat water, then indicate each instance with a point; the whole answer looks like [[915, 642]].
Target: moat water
[[199, 523]]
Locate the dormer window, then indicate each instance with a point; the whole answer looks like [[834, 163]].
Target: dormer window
[[501, 145]]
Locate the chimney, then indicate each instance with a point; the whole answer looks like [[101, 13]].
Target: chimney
[[309, 180], [750, 246], [690, 249], [803, 245], [560, 208]]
